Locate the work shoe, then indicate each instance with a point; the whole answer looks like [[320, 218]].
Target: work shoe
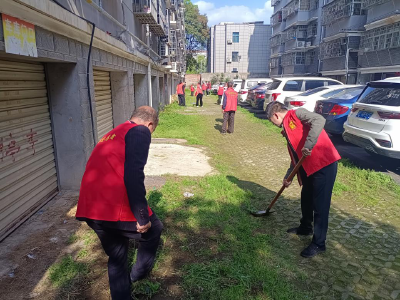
[[312, 250], [299, 231]]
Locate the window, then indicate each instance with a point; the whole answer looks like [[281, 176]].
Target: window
[[274, 85], [235, 37], [313, 91], [333, 82], [235, 56], [251, 83], [234, 70], [381, 95], [312, 84], [293, 86], [350, 93], [332, 93], [300, 58]]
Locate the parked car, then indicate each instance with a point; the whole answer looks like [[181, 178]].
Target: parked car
[[251, 92], [248, 83], [214, 89], [336, 109], [284, 87], [257, 96], [308, 99], [237, 86], [374, 120]]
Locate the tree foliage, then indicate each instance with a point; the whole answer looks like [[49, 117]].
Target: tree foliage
[[197, 32]]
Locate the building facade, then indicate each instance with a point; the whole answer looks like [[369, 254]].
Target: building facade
[[296, 35], [239, 48], [69, 72], [354, 41]]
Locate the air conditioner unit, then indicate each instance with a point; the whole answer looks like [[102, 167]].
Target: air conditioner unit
[[228, 60], [300, 44], [229, 41]]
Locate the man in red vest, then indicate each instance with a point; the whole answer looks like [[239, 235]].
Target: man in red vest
[[180, 90], [112, 200], [229, 105], [220, 93], [208, 88], [305, 134], [199, 95], [204, 88], [192, 90]]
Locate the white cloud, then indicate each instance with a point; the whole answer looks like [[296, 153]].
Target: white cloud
[[234, 13]]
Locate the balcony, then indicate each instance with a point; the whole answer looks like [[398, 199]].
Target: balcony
[[339, 9], [275, 2], [148, 12], [276, 18], [367, 4]]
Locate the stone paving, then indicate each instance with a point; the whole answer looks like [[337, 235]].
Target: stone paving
[[363, 247]]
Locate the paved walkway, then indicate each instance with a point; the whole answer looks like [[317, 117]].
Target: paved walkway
[[363, 257]]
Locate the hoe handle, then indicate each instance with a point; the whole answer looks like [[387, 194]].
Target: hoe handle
[[290, 177]]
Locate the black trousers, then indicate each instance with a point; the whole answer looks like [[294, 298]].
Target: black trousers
[[219, 99], [199, 98], [181, 99], [191, 93], [115, 243], [316, 201]]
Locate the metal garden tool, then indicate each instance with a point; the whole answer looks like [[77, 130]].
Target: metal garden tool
[[266, 212]]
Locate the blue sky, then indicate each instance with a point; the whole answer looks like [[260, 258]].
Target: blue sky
[[235, 10]]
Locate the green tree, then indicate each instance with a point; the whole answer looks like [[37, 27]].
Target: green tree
[[201, 64], [197, 32]]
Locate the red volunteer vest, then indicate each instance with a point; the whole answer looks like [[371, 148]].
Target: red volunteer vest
[[204, 87], [231, 100], [220, 91], [324, 152], [179, 89], [199, 90], [103, 194], [192, 88]]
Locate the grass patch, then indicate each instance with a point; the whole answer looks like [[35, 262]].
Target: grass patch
[[145, 289], [175, 124], [63, 273], [72, 239]]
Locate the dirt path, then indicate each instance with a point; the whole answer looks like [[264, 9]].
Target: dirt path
[[362, 261]]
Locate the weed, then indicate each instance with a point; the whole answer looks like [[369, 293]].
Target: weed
[[72, 239], [62, 274]]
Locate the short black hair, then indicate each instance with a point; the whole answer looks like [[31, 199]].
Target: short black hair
[[230, 84], [273, 108], [147, 114]]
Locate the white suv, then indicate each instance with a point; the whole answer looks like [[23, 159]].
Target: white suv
[[249, 83], [284, 87], [374, 120]]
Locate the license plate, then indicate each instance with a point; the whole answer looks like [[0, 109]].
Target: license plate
[[364, 115]]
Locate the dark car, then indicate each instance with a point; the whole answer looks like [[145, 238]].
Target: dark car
[[256, 95], [336, 109]]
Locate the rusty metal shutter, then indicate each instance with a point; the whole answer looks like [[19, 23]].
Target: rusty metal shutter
[[27, 166], [102, 90]]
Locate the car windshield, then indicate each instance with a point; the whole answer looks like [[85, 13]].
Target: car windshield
[[313, 91], [349, 93], [274, 85], [381, 95], [332, 93]]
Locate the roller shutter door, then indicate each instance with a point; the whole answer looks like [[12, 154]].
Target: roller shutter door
[[102, 89], [27, 166]]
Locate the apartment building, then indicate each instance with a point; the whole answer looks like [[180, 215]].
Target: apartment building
[[296, 35], [69, 72], [379, 55], [240, 48]]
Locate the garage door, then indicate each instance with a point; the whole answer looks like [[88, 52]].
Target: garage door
[[27, 167], [102, 89]]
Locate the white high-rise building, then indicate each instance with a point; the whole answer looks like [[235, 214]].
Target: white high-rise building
[[240, 48]]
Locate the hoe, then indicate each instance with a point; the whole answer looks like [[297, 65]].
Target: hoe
[[267, 212]]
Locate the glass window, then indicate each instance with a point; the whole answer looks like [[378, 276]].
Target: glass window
[[293, 86], [251, 83], [349, 93], [389, 96], [312, 84], [332, 93], [235, 56], [313, 91], [274, 85], [332, 82], [235, 37]]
